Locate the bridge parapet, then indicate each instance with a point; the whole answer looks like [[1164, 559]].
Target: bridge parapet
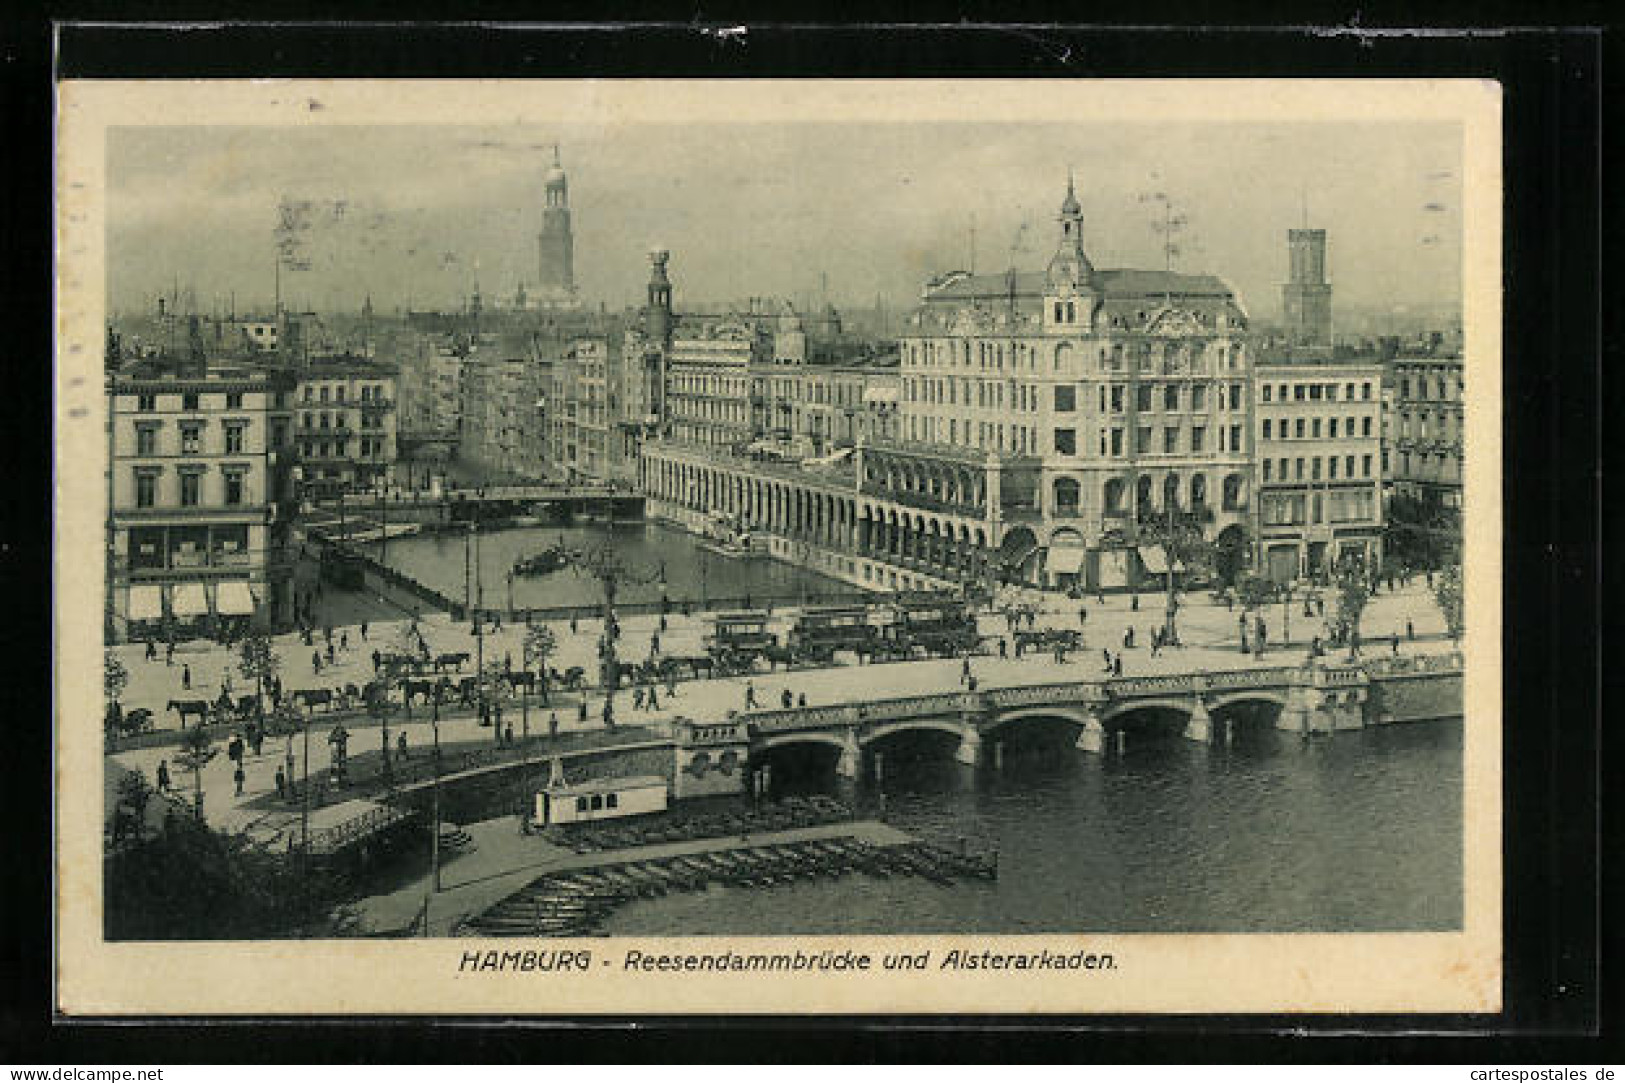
[[1404, 665], [1071, 692]]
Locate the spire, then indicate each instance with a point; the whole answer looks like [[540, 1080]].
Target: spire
[[1069, 265], [1069, 206]]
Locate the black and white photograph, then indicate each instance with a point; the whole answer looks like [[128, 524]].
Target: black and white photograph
[[991, 531]]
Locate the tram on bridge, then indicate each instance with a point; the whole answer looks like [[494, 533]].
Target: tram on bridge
[[740, 637], [937, 622], [820, 631]]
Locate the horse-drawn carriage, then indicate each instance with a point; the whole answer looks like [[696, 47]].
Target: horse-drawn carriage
[[1047, 639], [821, 631]]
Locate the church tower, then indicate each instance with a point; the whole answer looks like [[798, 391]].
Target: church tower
[[1069, 293], [556, 245], [1306, 298]]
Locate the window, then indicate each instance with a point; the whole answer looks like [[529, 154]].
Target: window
[[234, 439], [1365, 426], [1298, 469], [1170, 397], [1198, 438], [234, 487], [581, 804], [234, 400], [146, 489], [597, 801], [1066, 441], [1143, 398], [1235, 438], [322, 393], [1117, 441], [1117, 399], [1170, 441], [1199, 397], [146, 403], [1348, 466], [1142, 440], [146, 440], [191, 439], [1267, 465], [612, 800], [1266, 392], [1314, 428], [1297, 392], [1266, 428], [1066, 398], [191, 488], [189, 400], [1298, 428], [1331, 428], [1314, 468], [1331, 467], [1365, 466]]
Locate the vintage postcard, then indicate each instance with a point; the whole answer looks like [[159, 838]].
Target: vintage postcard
[[773, 547]]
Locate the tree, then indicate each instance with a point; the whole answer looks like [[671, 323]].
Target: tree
[[1353, 591], [257, 662], [540, 645], [1448, 593], [1230, 552], [197, 749], [1179, 536], [115, 679]]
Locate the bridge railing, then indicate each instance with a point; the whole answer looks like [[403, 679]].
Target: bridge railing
[[1449, 662]]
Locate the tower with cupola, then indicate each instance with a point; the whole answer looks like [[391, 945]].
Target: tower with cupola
[[1069, 281]]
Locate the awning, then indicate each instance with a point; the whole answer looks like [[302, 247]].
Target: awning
[[233, 599], [1155, 561], [1065, 561], [189, 600], [1017, 547], [146, 601]]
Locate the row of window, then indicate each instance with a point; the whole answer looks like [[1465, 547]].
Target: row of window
[[1293, 469], [191, 432], [1440, 388], [1297, 509], [1116, 493], [337, 393], [234, 490], [326, 420], [1315, 392], [371, 447], [989, 395], [1310, 428], [191, 401], [1143, 356]]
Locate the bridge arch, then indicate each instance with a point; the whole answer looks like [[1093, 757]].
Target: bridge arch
[[1251, 695], [1080, 716], [910, 725], [1184, 705], [799, 737]]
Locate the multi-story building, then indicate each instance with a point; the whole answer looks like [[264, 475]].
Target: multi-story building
[[1319, 480], [577, 411], [817, 409], [198, 513], [708, 380], [1045, 421], [1425, 460], [345, 423]]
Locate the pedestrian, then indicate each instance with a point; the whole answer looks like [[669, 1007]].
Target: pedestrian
[[327, 634], [964, 670], [507, 661], [169, 653], [256, 737], [1320, 607], [750, 696], [1410, 630], [1117, 665], [1134, 603], [1004, 647], [186, 677], [582, 716], [316, 661], [801, 700], [654, 698], [507, 738], [237, 777], [609, 713], [377, 660], [1396, 643], [785, 699], [972, 683], [163, 776], [1083, 614], [281, 783], [152, 650], [573, 624], [331, 656], [344, 641], [637, 699], [363, 631], [553, 724]]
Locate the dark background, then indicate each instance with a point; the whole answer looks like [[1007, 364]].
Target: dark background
[[1554, 342]]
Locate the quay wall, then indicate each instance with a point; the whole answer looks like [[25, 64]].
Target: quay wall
[[1414, 697]]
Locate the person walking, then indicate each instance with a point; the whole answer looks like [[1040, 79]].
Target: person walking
[[186, 677], [1396, 643], [581, 715], [637, 698], [785, 699], [964, 670], [1410, 630], [654, 698], [169, 653], [344, 641], [553, 725], [609, 713], [750, 696], [1004, 647], [400, 746], [163, 776], [377, 661], [507, 735], [316, 662], [363, 631], [152, 651], [801, 700], [237, 777], [281, 784], [1134, 602]]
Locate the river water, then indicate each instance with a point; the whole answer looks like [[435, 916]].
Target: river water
[[691, 571], [1357, 831]]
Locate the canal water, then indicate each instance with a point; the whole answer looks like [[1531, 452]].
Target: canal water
[[1356, 831], [691, 572]]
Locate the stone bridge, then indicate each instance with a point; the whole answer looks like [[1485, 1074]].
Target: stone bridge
[[1320, 698]]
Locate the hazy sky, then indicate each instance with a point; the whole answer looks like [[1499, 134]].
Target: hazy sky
[[404, 213]]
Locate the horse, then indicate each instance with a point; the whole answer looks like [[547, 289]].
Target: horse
[[454, 659], [466, 688], [777, 656], [424, 688], [313, 697], [184, 707], [573, 679], [136, 721], [522, 679], [698, 665]]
